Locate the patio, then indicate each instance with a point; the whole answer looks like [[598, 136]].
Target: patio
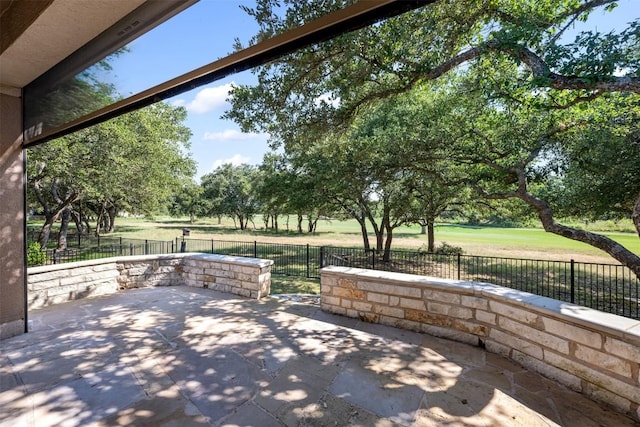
[[180, 356]]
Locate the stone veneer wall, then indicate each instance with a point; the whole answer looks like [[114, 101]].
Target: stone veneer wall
[[595, 353], [54, 284]]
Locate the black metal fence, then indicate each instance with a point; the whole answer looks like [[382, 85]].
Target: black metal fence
[[606, 287], [109, 247]]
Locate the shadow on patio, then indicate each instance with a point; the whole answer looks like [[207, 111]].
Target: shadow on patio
[[182, 356]]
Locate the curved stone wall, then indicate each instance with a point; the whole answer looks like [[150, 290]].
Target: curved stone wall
[[595, 353], [54, 284]]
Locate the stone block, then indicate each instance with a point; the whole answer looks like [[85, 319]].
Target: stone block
[[346, 303], [415, 304], [572, 333], [605, 396], [427, 318], [349, 293], [470, 327], [516, 343], [439, 296], [378, 298], [546, 340], [512, 312], [369, 317], [347, 283], [551, 372], [486, 317], [448, 333], [603, 360], [598, 377], [63, 290], [362, 306], [48, 276], [450, 310], [497, 348], [390, 289], [394, 301], [43, 285], [389, 311], [330, 300], [328, 280], [622, 349], [474, 302]]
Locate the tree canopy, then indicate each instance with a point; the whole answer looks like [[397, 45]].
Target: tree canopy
[[491, 94]]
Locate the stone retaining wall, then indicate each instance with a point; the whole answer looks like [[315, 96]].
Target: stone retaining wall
[[589, 351], [54, 284]]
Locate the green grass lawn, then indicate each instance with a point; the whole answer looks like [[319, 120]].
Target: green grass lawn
[[475, 240]]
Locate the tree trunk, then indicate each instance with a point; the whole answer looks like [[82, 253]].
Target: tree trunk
[[365, 234], [45, 232], [386, 257], [423, 228], [192, 217], [431, 236], [300, 218], [635, 216], [64, 228], [100, 219], [274, 223], [613, 248], [112, 211]]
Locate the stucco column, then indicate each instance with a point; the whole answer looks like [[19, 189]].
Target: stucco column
[[12, 265]]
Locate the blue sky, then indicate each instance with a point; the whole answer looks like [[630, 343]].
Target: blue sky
[[206, 32]]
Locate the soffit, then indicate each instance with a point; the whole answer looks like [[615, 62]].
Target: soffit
[[59, 30]]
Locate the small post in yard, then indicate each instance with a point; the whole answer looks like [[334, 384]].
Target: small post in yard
[[321, 256], [55, 255], [130, 248], [573, 282], [146, 247], [212, 248], [308, 260], [255, 249], [458, 265]]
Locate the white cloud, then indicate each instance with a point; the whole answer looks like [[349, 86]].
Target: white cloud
[[232, 135], [236, 160], [209, 98], [178, 102]]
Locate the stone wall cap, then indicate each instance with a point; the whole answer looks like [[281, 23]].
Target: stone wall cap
[[412, 279], [258, 262]]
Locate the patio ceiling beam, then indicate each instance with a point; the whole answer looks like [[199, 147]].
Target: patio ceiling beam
[[350, 18]]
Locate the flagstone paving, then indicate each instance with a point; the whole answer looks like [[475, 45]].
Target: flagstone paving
[[194, 357]]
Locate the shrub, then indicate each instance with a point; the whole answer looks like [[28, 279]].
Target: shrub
[[447, 249], [35, 254]]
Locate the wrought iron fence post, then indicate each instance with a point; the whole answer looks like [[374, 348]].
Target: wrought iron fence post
[[130, 248], [373, 259], [459, 264], [255, 249], [212, 248], [146, 247], [55, 255], [308, 260], [321, 263], [98, 241], [573, 282]]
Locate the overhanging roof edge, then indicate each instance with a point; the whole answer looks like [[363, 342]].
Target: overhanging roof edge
[[351, 18]]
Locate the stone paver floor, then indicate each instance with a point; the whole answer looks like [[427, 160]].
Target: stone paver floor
[[194, 357]]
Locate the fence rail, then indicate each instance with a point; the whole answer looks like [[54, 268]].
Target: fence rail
[[606, 287]]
